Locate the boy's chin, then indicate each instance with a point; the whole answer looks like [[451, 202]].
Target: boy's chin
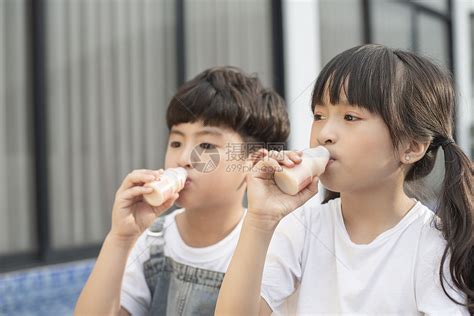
[[182, 202]]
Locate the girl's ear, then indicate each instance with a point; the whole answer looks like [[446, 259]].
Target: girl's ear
[[412, 151]]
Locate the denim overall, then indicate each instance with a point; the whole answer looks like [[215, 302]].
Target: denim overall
[[176, 288]]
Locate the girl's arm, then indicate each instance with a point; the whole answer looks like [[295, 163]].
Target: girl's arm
[[130, 217], [267, 205], [240, 291]]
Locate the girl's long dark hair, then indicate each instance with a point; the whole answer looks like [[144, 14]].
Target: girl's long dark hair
[[416, 100]]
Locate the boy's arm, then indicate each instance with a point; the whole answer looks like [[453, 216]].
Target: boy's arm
[[130, 217], [101, 294]]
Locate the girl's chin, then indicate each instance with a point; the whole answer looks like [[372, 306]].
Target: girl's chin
[[328, 185]]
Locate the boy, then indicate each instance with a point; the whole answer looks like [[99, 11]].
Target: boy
[[177, 265]]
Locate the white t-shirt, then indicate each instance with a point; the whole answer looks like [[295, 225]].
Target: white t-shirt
[[135, 295], [397, 273]]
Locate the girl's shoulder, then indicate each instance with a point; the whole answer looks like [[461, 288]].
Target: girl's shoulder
[[308, 216], [430, 241], [313, 212]]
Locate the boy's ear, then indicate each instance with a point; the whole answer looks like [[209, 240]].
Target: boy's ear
[[412, 151]]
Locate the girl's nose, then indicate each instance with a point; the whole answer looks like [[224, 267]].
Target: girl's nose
[[327, 134]]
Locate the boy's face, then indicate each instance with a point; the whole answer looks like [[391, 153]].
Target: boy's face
[[360, 145], [214, 176]]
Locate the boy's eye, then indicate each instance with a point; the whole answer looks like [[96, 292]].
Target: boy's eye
[[349, 117], [175, 144], [207, 146]]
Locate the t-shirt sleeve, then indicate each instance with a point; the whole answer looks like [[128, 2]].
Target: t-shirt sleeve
[[135, 295], [282, 271], [430, 297]]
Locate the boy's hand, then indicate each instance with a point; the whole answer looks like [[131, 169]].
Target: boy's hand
[[131, 215], [267, 205]]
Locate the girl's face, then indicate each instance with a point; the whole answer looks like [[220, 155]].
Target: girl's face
[[213, 178], [360, 146]]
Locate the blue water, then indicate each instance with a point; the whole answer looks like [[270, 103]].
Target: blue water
[[51, 290]]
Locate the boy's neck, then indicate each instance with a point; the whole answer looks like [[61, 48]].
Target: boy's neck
[[367, 214], [206, 226]]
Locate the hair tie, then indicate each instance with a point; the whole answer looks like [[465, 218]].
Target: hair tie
[[447, 142]]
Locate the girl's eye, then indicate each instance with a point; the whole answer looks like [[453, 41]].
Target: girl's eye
[[318, 117], [349, 117], [207, 146], [175, 144]]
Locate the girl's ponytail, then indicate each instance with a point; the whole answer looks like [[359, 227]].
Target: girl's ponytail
[[456, 213]]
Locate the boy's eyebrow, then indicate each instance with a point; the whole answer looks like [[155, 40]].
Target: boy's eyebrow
[[176, 132], [200, 133], [209, 132]]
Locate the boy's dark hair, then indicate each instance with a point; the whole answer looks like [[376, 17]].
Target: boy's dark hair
[[227, 97], [416, 100]]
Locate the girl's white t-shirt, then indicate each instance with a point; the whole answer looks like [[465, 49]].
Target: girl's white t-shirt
[[135, 295], [312, 267]]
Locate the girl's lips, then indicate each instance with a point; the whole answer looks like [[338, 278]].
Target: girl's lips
[[188, 182], [331, 160]]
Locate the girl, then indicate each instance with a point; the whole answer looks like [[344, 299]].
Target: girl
[[372, 248]]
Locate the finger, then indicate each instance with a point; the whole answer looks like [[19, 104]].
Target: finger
[[281, 157], [265, 169], [137, 177], [294, 156], [158, 173], [310, 190], [256, 156], [277, 155], [132, 193], [286, 158], [166, 205]]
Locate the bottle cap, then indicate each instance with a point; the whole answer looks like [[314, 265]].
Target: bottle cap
[[181, 174], [317, 152]]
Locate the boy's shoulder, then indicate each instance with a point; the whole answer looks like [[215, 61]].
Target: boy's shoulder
[[159, 226], [162, 222]]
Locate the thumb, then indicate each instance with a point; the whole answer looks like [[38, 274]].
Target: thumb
[[310, 190], [166, 205]]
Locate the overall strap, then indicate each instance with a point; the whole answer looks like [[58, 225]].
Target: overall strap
[[156, 233]]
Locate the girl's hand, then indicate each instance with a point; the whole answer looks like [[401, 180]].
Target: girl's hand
[[267, 205], [131, 215]]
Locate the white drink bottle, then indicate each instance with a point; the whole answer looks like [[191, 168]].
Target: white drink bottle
[[293, 180], [169, 183]]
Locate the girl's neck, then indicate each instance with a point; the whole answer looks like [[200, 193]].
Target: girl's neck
[[202, 227], [369, 213]]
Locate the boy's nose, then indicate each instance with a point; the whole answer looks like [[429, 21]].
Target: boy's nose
[[184, 159]]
